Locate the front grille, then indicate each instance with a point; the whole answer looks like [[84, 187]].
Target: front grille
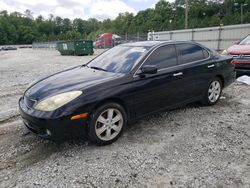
[[241, 56], [29, 102]]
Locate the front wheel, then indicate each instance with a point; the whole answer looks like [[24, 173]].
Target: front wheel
[[107, 124], [213, 92]]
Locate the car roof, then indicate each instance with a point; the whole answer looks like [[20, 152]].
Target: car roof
[[153, 43], [145, 43]]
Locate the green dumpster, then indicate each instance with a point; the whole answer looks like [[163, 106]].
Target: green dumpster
[[76, 47], [66, 47], [84, 47]]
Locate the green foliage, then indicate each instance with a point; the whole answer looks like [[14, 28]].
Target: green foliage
[[22, 28]]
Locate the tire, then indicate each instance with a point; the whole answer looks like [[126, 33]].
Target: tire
[[213, 92], [101, 130]]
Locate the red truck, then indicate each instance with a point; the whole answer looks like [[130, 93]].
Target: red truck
[[105, 41], [108, 40]]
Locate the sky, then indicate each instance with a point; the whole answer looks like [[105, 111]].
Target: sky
[[99, 9]]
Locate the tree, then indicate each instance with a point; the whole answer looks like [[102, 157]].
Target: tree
[[29, 14], [163, 15], [26, 35], [18, 28], [66, 25]]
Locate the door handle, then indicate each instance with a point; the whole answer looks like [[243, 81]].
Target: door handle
[[178, 74], [210, 66]]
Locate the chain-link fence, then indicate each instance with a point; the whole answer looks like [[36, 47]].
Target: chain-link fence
[[133, 37], [119, 39], [44, 45]]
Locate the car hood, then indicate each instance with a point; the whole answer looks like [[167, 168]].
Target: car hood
[[239, 49], [77, 78]]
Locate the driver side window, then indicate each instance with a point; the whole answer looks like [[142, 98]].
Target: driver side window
[[163, 57]]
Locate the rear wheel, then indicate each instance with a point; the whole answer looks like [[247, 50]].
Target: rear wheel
[[213, 92], [107, 124]]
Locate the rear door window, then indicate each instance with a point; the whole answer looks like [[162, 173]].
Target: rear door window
[[163, 57], [205, 53], [191, 53]]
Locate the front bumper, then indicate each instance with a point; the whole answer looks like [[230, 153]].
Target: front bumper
[[58, 128], [242, 69], [242, 66]]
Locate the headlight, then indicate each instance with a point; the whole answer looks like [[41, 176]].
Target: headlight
[[55, 102], [224, 52]]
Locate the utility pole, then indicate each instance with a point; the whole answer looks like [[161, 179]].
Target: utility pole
[[186, 14], [241, 10], [241, 13]]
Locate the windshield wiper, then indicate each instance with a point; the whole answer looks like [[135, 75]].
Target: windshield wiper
[[98, 68]]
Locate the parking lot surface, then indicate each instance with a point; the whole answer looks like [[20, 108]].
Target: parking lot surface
[[194, 146]]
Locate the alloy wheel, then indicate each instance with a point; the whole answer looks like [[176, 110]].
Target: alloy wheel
[[214, 91], [109, 124]]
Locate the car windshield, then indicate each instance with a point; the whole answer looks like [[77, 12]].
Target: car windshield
[[245, 41], [120, 59]]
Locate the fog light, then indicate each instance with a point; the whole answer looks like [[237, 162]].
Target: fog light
[[48, 132]]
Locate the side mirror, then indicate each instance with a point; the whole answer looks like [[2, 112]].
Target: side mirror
[[148, 69]]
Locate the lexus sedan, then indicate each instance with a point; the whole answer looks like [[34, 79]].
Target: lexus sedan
[[241, 54], [121, 85]]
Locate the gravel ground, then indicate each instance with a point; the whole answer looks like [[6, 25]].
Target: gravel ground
[[193, 146]]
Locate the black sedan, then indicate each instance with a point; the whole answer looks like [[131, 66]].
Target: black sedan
[[121, 85]]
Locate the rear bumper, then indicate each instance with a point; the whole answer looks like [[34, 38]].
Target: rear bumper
[[52, 128]]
